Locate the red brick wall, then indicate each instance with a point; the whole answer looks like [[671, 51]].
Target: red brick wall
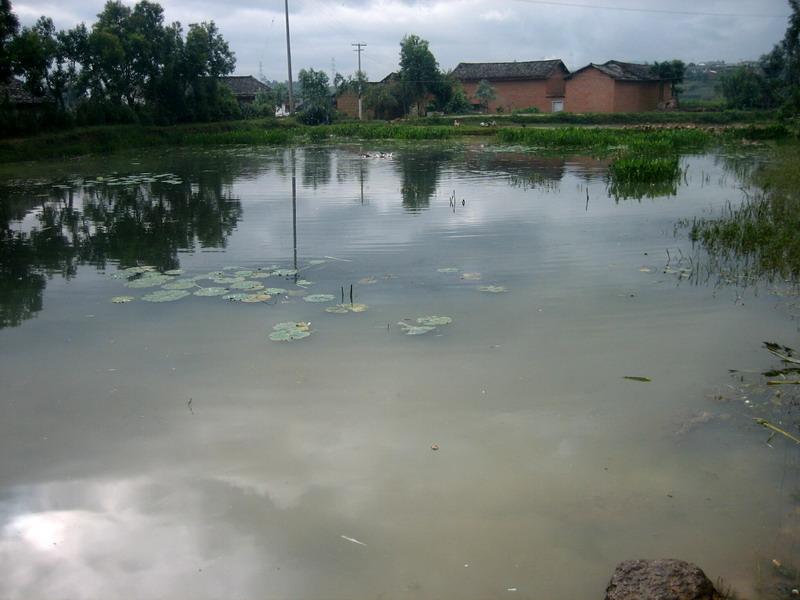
[[347, 104], [512, 95], [590, 91], [641, 96]]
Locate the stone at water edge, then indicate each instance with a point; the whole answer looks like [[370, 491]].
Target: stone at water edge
[[664, 579]]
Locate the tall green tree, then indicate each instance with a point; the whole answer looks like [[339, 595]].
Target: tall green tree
[[485, 93], [316, 96], [9, 26], [672, 70], [419, 71], [781, 66], [746, 89]]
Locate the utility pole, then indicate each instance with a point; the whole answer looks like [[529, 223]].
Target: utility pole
[[289, 58], [359, 47]]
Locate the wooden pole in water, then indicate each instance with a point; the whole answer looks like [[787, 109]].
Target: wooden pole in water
[[351, 293]]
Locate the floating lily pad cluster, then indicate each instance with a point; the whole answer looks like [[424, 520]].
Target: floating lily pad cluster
[[343, 309], [472, 276], [424, 324], [290, 331]]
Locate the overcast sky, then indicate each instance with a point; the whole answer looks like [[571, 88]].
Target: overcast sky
[[577, 31]]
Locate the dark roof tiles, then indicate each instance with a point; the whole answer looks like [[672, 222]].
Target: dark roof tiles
[[244, 85], [622, 71], [532, 69]]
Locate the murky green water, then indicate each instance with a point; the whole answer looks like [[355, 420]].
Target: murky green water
[[305, 469]]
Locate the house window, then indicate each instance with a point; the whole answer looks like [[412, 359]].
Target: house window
[[558, 106]]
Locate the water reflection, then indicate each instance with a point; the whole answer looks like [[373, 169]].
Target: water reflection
[[419, 175], [58, 229]]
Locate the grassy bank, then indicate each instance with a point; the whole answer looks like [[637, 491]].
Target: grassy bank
[[107, 139], [721, 117]]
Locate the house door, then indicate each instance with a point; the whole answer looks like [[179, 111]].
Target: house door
[[558, 106]]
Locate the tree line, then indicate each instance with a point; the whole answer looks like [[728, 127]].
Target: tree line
[[129, 66]]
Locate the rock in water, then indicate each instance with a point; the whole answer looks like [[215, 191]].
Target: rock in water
[[664, 579]]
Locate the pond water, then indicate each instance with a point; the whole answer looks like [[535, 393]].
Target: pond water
[[173, 450]]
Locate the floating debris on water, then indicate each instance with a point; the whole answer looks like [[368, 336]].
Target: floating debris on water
[[415, 329], [303, 283], [319, 298], [493, 289], [353, 540], [368, 280], [637, 378], [122, 299], [165, 295], [174, 272], [290, 331], [448, 270], [253, 298], [471, 276]]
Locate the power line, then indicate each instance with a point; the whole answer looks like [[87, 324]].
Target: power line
[[662, 11]]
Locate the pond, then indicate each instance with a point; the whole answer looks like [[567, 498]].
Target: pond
[[573, 410]]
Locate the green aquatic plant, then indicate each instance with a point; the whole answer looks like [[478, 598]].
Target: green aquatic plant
[[493, 289], [254, 298], [165, 296], [211, 291], [275, 291], [434, 321], [290, 331], [174, 272], [415, 329], [244, 273], [342, 309], [122, 299], [284, 272], [180, 284], [303, 283], [148, 280], [319, 298], [447, 270], [227, 280], [246, 285]]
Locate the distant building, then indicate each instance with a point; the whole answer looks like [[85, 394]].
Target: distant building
[[347, 102], [245, 88], [14, 94], [616, 87], [518, 85]]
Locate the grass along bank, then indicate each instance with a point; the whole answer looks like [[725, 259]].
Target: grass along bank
[[107, 139]]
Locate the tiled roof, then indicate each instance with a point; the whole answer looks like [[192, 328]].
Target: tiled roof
[[17, 94], [622, 71], [532, 69], [244, 85]]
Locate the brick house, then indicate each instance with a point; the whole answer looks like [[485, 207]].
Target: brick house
[[616, 87], [531, 84], [245, 88]]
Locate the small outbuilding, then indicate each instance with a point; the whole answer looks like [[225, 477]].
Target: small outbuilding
[[616, 86], [518, 85], [245, 88]]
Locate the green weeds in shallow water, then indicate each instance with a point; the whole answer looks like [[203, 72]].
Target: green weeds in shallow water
[[764, 231]]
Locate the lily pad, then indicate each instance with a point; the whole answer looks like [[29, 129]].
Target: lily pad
[[290, 331], [341, 309], [285, 272], [317, 261], [447, 270], [243, 273], [238, 297], [148, 280], [261, 274], [275, 291], [434, 320], [493, 289], [368, 280], [122, 299], [138, 270], [253, 298], [246, 285], [180, 284], [471, 276], [174, 272], [211, 291], [415, 329], [320, 298], [227, 280], [165, 296], [303, 283]]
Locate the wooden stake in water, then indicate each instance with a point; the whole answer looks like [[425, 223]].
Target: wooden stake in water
[[351, 294]]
